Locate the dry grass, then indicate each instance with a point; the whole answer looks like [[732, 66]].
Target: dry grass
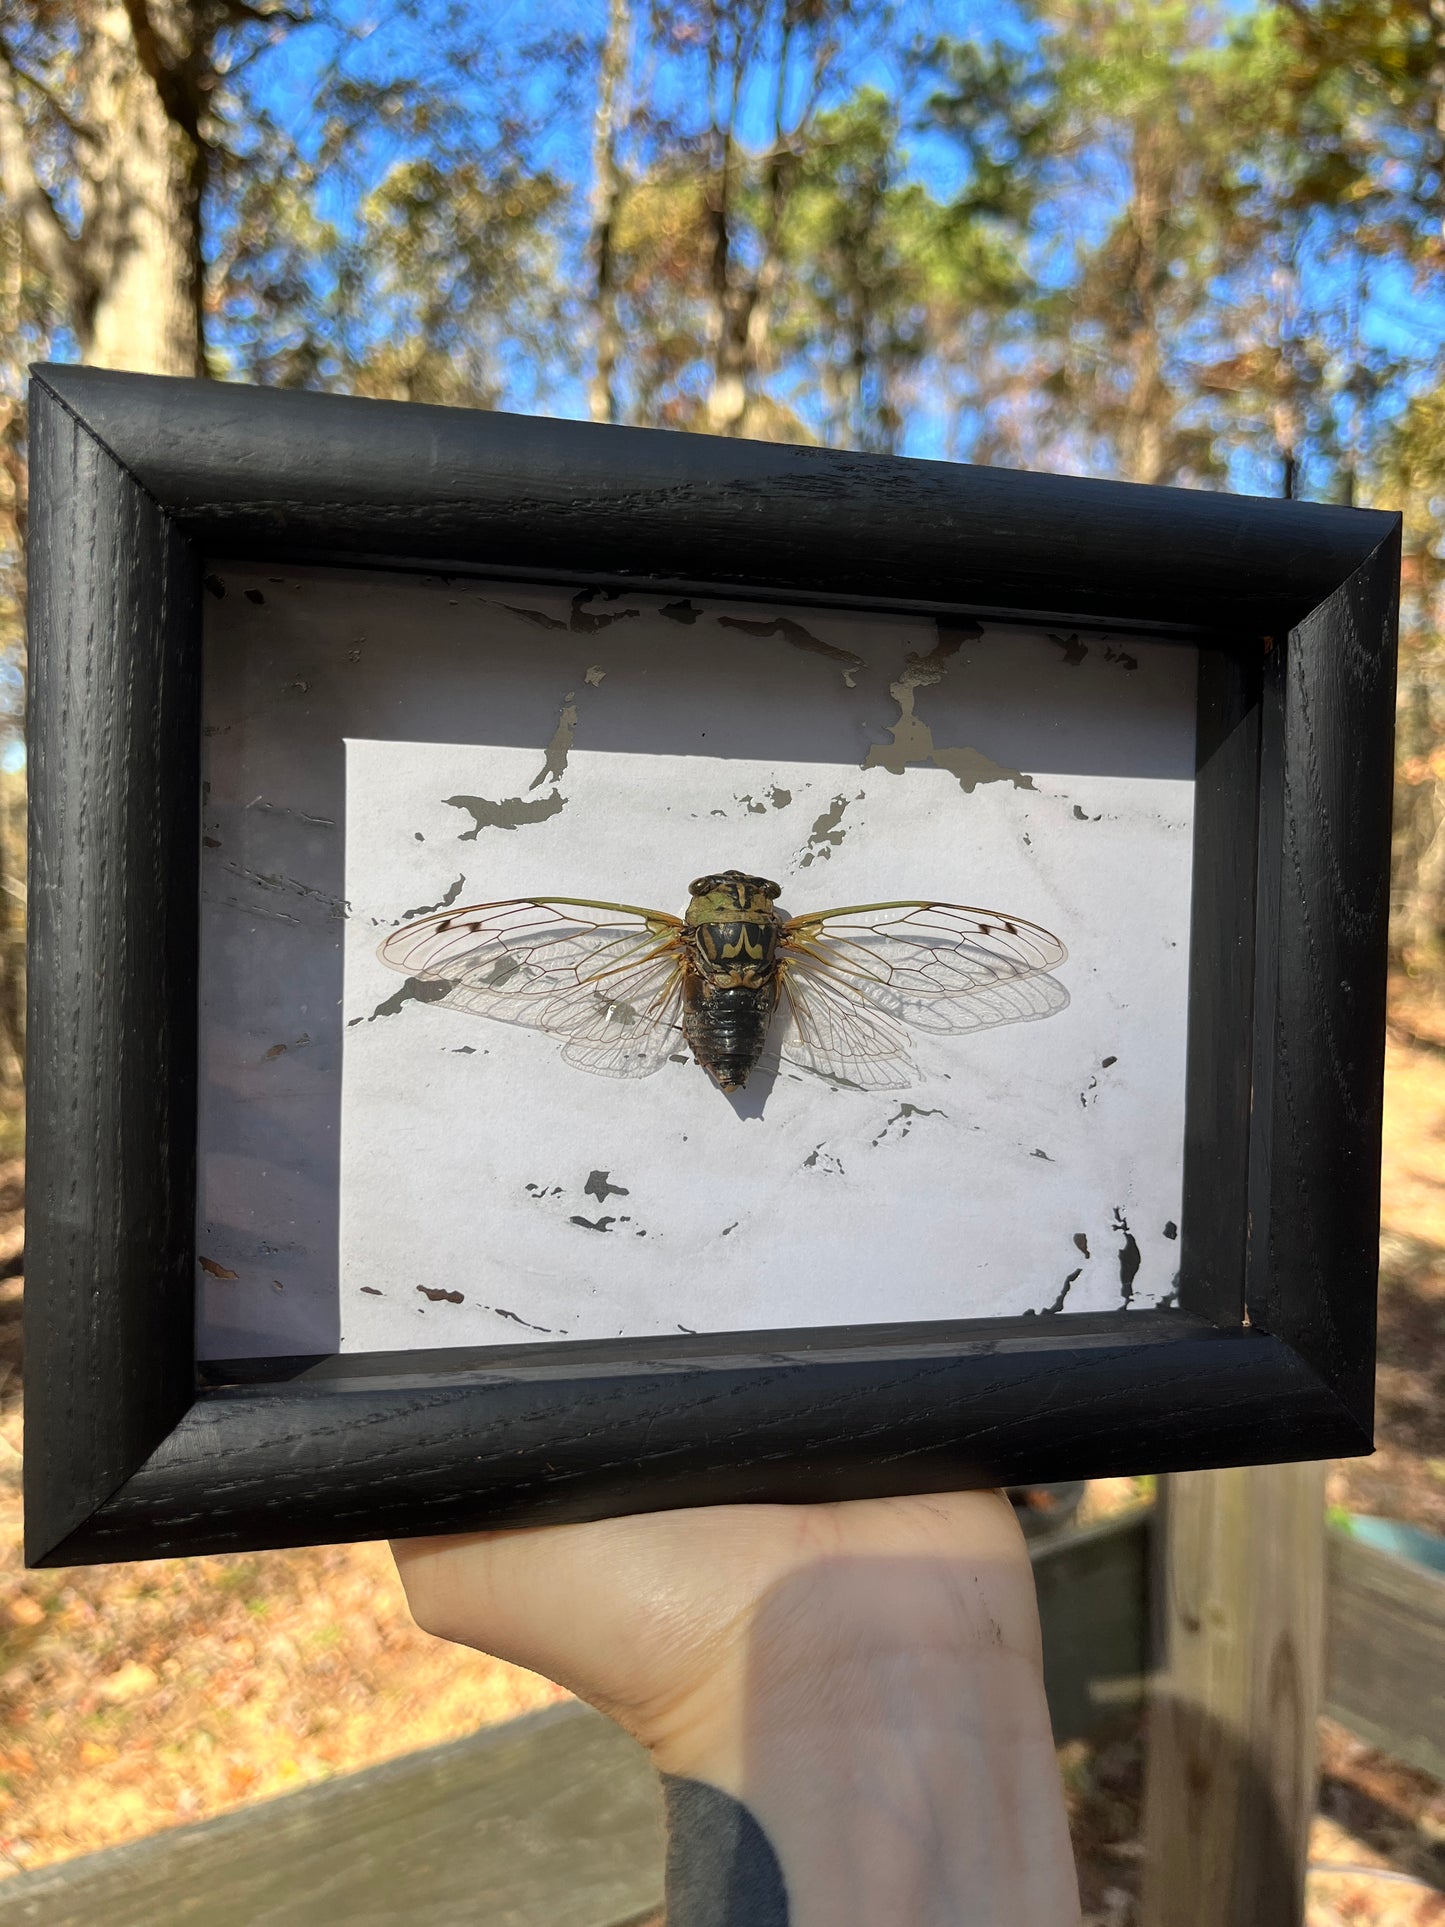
[[1406, 1477], [134, 1697], [1377, 1847]]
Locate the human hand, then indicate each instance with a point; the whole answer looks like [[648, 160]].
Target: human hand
[[865, 1678]]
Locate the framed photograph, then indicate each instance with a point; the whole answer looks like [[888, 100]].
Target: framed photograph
[[579, 970]]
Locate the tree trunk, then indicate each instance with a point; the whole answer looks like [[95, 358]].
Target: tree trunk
[[131, 273], [744, 312], [754, 325], [141, 195], [727, 324], [12, 938], [1150, 407], [606, 199]]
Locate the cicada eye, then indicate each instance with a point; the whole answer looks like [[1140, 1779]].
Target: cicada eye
[[772, 891]]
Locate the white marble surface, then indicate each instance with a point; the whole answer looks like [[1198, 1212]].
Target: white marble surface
[[381, 1174]]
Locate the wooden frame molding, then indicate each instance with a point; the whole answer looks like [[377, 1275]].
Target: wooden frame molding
[[133, 1451]]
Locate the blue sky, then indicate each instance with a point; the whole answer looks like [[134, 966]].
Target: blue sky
[[536, 63]]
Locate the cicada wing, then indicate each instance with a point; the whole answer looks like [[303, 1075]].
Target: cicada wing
[[934, 966], [927, 949], [620, 1037], [605, 976], [1021, 1000], [531, 946], [829, 1030]]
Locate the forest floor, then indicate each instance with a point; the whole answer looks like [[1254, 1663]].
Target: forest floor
[[136, 1697]]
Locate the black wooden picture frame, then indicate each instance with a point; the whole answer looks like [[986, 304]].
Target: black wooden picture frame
[[134, 1451]]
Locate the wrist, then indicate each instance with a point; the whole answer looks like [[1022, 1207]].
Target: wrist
[[914, 1787], [883, 1724], [807, 1703], [850, 1643]]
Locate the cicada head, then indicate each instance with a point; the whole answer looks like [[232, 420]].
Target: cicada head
[[729, 896]]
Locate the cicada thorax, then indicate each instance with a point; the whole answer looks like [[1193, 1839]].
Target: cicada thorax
[[731, 977]]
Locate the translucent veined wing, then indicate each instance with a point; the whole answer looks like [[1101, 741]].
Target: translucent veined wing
[[829, 1030], [933, 966], [605, 976], [1017, 1000], [857, 980], [633, 1026]]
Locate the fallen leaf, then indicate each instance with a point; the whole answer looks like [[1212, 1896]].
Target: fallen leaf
[[129, 1682]]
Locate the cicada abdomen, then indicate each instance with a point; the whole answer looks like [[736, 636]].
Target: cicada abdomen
[[731, 980]]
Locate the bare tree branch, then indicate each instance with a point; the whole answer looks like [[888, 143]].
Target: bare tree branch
[[45, 234], [611, 110], [239, 10]]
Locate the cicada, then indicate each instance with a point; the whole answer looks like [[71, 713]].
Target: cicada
[[625, 986]]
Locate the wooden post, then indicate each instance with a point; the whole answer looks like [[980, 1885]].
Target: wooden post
[[1239, 1655]]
